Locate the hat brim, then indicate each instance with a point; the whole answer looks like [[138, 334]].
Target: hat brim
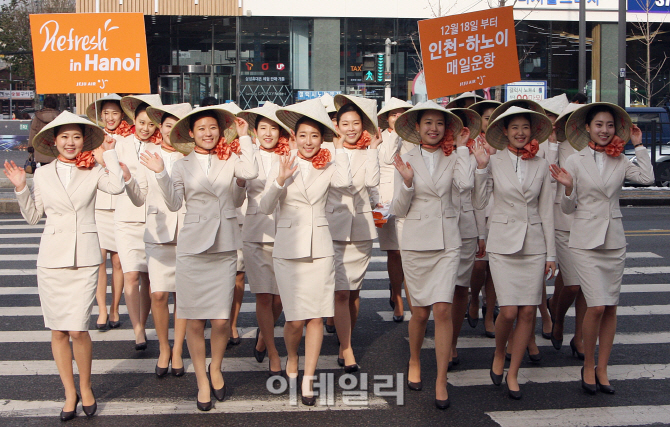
[[405, 125], [393, 104], [473, 120], [253, 116], [45, 141], [94, 111], [521, 103], [181, 139], [575, 127], [562, 120], [540, 124], [129, 103], [290, 115], [480, 106]]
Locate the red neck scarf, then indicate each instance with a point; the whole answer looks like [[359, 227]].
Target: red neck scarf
[[83, 160], [613, 149], [222, 149], [362, 142], [389, 130], [124, 129], [281, 148], [156, 138], [447, 142], [167, 147], [319, 160], [527, 152], [471, 145]]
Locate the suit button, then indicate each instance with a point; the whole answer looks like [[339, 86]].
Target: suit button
[[204, 218], [594, 216], [60, 231], [425, 216], [511, 204], [203, 202], [439, 216], [513, 220]]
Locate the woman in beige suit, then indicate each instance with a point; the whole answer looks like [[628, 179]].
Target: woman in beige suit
[[388, 235], [430, 243], [69, 255], [160, 239], [204, 181], [349, 214], [303, 250], [258, 232], [521, 239], [130, 220], [107, 113], [593, 178]]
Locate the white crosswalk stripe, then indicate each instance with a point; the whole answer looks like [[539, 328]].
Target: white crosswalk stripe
[[582, 417]]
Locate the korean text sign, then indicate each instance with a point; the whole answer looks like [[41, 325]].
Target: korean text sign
[[90, 53], [469, 51]]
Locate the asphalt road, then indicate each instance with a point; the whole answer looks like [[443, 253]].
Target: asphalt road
[[129, 394]]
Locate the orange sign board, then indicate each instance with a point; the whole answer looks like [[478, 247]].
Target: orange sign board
[[469, 51], [90, 53]]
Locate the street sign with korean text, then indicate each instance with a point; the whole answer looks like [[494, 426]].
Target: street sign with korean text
[[535, 90], [469, 51], [90, 53]]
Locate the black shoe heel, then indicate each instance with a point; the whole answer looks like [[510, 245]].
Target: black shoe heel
[[535, 358], [114, 324], [413, 386], [575, 353], [555, 342], [219, 394], [497, 379], [350, 369], [513, 394], [91, 409], [330, 329], [259, 355], [203, 406], [67, 416], [102, 327], [589, 388], [442, 404], [607, 389], [272, 373]]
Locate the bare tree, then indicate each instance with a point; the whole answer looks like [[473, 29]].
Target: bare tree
[[650, 68], [15, 31]]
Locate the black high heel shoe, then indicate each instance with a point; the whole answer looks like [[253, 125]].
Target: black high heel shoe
[[573, 347], [413, 386], [589, 388], [114, 323], [143, 345], [307, 401], [554, 341], [607, 389], [471, 321], [330, 329], [535, 358], [161, 372], [219, 394], [90, 410], [514, 394], [442, 404], [203, 406], [102, 327], [399, 319], [67, 416], [497, 379], [259, 355], [273, 373]]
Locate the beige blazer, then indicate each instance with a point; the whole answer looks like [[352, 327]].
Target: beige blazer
[[470, 223], [595, 197], [391, 145], [258, 227], [302, 227], [70, 237], [126, 210], [210, 223], [348, 209], [522, 218], [429, 214], [562, 221], [162, 224]]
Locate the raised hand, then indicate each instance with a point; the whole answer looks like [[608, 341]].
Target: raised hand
[[481, 154], [108, 143], [97, 154], [241, 126], [376, 140], [463, 137], [285, 169], [338, 139], [126, 172], [561, 175], [636, 135], [152, 161], [405, 170], [16, 175]]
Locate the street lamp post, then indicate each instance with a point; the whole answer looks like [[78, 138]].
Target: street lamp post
[[621, 51], [10, 91]]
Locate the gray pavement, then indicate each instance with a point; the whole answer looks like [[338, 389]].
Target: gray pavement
[[131, 395]]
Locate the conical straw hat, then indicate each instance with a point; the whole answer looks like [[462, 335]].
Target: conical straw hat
[[575, 128], [182, 141], [473, 121], [97, 105], [540, 127], [313, 109], [367, 106], [393, 104], [405, 126], [45, 141], [562, 119], [130, 103]]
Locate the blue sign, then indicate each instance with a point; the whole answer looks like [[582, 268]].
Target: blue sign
[[304, 95], [653, 6]]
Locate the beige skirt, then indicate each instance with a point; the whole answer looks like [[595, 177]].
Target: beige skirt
[[600, 273], [162, 261], [261, 272], [518, 279], [351, 262], [130, 246], [104, 220], [306, 287], [388, 236], [566, 265], [67, 296], [467, 262], [205, 284], [430, 276]]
